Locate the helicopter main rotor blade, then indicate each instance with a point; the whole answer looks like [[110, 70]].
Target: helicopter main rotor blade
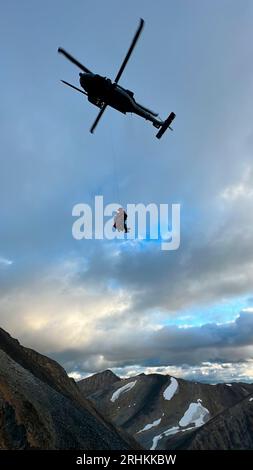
[[101, 112], [130, 50], [75, 88], [73, 60]]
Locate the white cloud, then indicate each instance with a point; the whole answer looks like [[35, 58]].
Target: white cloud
[[248, 309], [206, 372], [5, 261], [233, 192], [242, 189], [76, 375]]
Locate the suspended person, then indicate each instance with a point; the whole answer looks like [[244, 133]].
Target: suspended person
[[120, 221]]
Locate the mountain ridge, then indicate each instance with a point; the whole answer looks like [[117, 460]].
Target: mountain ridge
[[160, 411]]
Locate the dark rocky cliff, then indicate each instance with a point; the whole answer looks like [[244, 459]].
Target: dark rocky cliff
[[41, 407]]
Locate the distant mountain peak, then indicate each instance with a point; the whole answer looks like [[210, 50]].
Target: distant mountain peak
[[97, 381]]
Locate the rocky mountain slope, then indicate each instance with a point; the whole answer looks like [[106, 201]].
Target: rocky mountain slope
[[41, 407], [230, 430], [160, 411]]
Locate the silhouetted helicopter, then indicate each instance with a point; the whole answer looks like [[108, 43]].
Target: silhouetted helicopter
[[102, 92]]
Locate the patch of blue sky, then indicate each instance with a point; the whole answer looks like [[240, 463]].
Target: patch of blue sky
[[218, 313]]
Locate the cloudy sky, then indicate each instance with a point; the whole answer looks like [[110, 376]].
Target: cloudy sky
[[128, 305]]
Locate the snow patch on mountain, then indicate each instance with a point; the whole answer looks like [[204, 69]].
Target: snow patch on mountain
[[169, 432], [123, 389], [196, 413], [170, 391], [151, 425]]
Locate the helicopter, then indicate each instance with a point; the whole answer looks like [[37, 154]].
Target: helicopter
[[102, 92]]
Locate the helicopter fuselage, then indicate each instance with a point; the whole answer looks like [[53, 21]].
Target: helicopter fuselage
[[102, 90]]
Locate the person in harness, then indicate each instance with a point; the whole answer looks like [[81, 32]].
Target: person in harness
[[120, 221]]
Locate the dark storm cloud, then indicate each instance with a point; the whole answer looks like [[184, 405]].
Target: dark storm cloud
[[169, 346], [205, 270]]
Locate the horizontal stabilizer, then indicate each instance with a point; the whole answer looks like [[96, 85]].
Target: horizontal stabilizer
[[165, 125]]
